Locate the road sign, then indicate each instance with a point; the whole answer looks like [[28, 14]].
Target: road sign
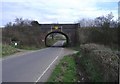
[[56, 27]]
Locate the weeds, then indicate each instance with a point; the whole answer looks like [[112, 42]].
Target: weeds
[[65, 71]]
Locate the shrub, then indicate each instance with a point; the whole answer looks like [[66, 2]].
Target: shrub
[[28, 36], [107, 36], [104, 58]]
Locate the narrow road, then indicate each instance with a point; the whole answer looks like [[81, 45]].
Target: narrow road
[[31, 67], [59, 43]]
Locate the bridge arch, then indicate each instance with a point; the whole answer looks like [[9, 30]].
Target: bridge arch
[[66, 36]]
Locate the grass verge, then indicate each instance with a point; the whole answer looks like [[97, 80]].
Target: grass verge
[[65, 71], [11, 49], [8, 50], [76, 68], [30, 47]]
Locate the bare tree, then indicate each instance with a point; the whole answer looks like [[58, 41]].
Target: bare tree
[[86, 22], [104, 21]]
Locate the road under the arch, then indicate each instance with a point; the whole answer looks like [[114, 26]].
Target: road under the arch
[[59, 43]]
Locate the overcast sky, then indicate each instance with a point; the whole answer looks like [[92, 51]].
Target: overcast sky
[[56, 11]]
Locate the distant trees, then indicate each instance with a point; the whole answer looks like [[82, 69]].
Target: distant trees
[[19, 22], [101, 21], [27, 32], [22, 22], [101, 30], [8, 25], [104, 21], [86, 22]]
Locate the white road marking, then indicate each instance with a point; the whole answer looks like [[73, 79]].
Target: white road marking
[[48, 67]]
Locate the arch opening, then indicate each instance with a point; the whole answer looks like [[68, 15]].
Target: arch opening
[[56, 39]]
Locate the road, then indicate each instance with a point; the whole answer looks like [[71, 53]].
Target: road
[[31, 67], [59, 43]]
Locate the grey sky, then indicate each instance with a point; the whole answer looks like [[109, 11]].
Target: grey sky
[[53, 11]]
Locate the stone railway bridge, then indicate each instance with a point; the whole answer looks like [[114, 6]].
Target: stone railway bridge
[[68, 30]]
